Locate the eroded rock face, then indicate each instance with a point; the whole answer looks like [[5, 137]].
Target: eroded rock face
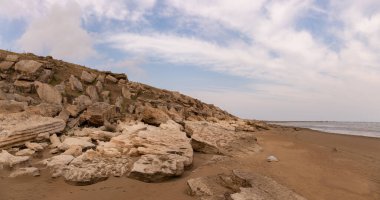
[[87, 77], [18, 128], [216, 138], [26, 171]]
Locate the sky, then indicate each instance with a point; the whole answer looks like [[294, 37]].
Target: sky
[[262, 59]]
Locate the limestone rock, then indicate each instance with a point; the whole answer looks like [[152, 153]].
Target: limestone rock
[[261, 187], [11, 57], [87, 77], [154, 116], [99, 86], [272, 159], [25, 152], [48, 93], [75, 84], [217, 138], [45, 109], [126, 93], [92, 93], [92, 167], [5, 65], [98, 112], [96, 134], [156, 168], [79, 104], [29, 67], [200, 187], [165, 150], [46, 76], [26, 171], [7, 106], [9, 160], [57, 163], [80, 141], [106, 96], [74, 150], [111, 79], [18, 128], [23, 86], [34, 146], [55, 141]]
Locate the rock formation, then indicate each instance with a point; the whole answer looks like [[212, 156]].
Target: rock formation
[[94, 124]]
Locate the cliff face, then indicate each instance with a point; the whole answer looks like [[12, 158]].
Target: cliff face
[[90, 124]]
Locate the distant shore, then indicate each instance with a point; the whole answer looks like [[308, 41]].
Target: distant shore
[[315, 164]]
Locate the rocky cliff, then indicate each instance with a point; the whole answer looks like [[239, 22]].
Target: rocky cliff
[[88, 125]]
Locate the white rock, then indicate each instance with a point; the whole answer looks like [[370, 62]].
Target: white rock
[[7, 159], [34, 146], [79, 141], [272, 159], [27, 171]]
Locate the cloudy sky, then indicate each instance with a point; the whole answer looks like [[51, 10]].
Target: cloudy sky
[[262, 59]]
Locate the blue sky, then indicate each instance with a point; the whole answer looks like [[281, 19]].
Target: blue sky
[[265, 59]]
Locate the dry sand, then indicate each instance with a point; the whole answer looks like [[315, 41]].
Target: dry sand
[[314, 164]]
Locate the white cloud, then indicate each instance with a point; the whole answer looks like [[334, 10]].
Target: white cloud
[[59, 34], [303, 71]]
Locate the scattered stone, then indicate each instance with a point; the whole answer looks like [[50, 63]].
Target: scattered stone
[[55, 141], [99, 86], [126, 93], [27, 171], [46, 76], [101, 78], [87, 77], [28, 66], [272, 159], [106, 96], [75, 84], [45, 109], [199, 187]]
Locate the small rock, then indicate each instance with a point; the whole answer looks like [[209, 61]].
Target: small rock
[[99, 86], [93, 93], [272, 159], [80, 141], [74, 150], [28, 66], [5, 65], [12, 58], [48, 93]]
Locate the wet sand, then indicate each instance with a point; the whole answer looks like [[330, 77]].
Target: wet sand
[[316, 165]]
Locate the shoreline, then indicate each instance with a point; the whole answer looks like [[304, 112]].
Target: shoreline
[[315, 164]]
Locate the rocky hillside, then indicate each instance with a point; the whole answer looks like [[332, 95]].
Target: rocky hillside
[[86, 125]]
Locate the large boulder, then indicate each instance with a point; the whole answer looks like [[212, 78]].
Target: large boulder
[[99, 112], [18, 128], [93, 166], [23, 86], [57, 163], [165, 151], [48, 93], [219, 138], [154, 116], [28, 69]]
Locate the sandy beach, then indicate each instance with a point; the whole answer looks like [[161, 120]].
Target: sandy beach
[[314, 164]]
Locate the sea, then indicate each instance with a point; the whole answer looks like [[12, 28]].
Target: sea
[[369, 129]]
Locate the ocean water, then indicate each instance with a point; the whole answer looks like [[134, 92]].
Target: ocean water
[[369, 129]]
